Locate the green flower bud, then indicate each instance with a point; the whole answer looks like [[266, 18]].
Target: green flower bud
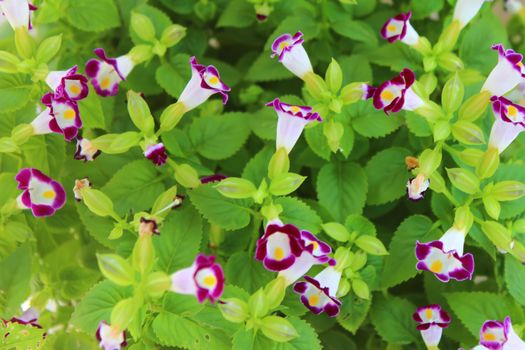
[[429, 82], [508, 190], [492, 206], [116, 269], [343, 256], [171, 116], [142, 26], [498, 235], [116, 232], [441, 130], [471, 156], [124, 312], [143, 255], [463, 180], [8, 62], [236, 187], [140, 113], [116, 143], [205, 10], [141, 53], [448, 37], [234, 310], [361, 289], [334, 76], [316, 86], [437, 183], [474, 106], [336, 105], [371, 245], [97, 202], [187, 176], [358, 261], [488, 164], [159, 49], [452, 94], [336, 231], [344, 288], [172, 35], [286, 183], [258, 304], [25, 45], [468, 133], [21, 133], [429, 63], [423, 46], [48, 48], [271, 211], [431, 111], [279, 163], [449, 61], [275, 291], [7, 145], [463, 218], [157, 283], [352, 93], [333, 131], [278, 328], [167, 200], [429, 160]]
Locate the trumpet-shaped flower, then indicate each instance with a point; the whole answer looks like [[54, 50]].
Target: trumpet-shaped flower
[[41, 194], [432, 319], [445, 257], [318, 293], [204, 279], [396, 94], [68, 83], [17, 12], [61, 117], [110, 337], [106, 73], [205, 81], [291, 122], [417, 186], [85, 150], [496, 335], [509, 123], [292, 54], [508, 72], [399, 28], [156, 153], [465, 10]]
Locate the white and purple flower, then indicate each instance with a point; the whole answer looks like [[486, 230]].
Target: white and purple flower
[[417, 186], [68, 83], [292, 54], [62, 117], [508, 72], [432, 319], [85, 150], [509, 123], [110, 337], [43, 195], [445, 257], [280, 246], [396, 94], [399, 28], [291, 122], [30, 316], [156, 153], [496, 335], [17, 12], [204, 279], [205, 81], [465, 10], [107, 72], [318, 293]]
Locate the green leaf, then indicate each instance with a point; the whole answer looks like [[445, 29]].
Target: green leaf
[[230, 214], [242, 270], [220, 137], [392, 319], [21, 336], [15, 280], [237, 14], [92, 16], [171, 80], [14, 92], [369, 122], [356, 30], [159, 19], [417, 124], [97, 305], [341, 188], [265, 68], [423, 9], [179, 241], [299, 213], [356, 68], [400, 265], [245, 339], [387, 175], [134, 187], [515, 278], [353, 312], [70, 340], [91, 111], [317, 141], [307, 338], [257, 167], [514, 172]]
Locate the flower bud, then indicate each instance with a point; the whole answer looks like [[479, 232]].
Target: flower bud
[[116, 143], [234, 310], [278, 328], [361, 289], [21, 133], [498, 235], [116, 232], [449, 61], [441, 130], [141, 53], [333, 131], [171, 116], [286, 183], [474, 106], [488, 164], [316, 86], [423, 46], [7, 145], [124, 312], [172, 35], [429, 82], [271, 211], [143, 255], [344, 288], [352, 93], [471, 156], [157, 283], [236, 187], [492, 206], [142, 26], [371, 245], [449, 37], [429, 63], [468, 133], [336, 231], [463, 218], [429, 160], [116, 269], [25, 45], [140, 113], [187, 176], [431, 111], [274, 292], [508, 190], [48, 48], [258, 304], [279, 163], [97, 202], [334, 76], [358, 261], [437, 183], [452, 94], [336, 105], [463, 180], [343, 257]]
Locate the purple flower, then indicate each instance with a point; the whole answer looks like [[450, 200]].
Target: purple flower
[[61, 116], [445, 257], [212, 178], [495, 335], [85, 150], [204, 279], [292, 54], [508, 73], [110, 337], [291, 122], [318, 293], [41, 194], [107, 73], [417, 186], [279, 247], [68, 84], [509, 123], [399, 28], [432, 319], [205, 81], [17, 13], [156, 153]]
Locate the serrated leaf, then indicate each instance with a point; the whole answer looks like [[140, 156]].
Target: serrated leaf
[[392, 318], [317, 141], [515, 278], [299, 213], [21, 336], [369, 122], [91, 111], [265, 68], [242, 270], [14, 92], [307, 338], [170, 79], [15, 280], [353, 312], [92, 16], [355, 30]]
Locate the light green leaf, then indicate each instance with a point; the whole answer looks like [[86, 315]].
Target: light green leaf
[[21, 336], [92, 16], [14, 92], [307, 338], [91, 111], [369, 122], [14, 280], [299, 213], [317, 141]]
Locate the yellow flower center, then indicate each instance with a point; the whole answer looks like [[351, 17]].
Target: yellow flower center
[[520, 64], [74, 89], [489, 336], [512, 111], [105, 83], [278, 253], [436, 266], [391, 28], [284, 45], [428, 314], [210, 281], [214, 80], [313, 300], [50, 194], [315, 244], [387, 95], [295, 109], [69, 114]]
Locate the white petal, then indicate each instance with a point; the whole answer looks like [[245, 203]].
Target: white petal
[[193, 94], [301, 266], [412, 101], [465, 10], [330, 278], [182, 281], [453, 239], [502, 134], [124, 65], [432, 335], [41, 123], [278, 246], [411, 36], [16, 12], [54, 78], [289, 129], [297, 61], [503, 78]]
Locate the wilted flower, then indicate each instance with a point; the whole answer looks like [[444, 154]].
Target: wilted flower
[[79, 185], [445, 258], [318, 293], [432, 319], [204, 279], [148, 227], [508, 73], [399, 28], [205, 81], [292, 54], [17, 12], [62, 117], [42, 194], [110, 337], [68, 84], [85, 150], [495, 335], [107, 73], [156, 153], [417, 186], [465, 10], [291, 122], [509, 123]]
